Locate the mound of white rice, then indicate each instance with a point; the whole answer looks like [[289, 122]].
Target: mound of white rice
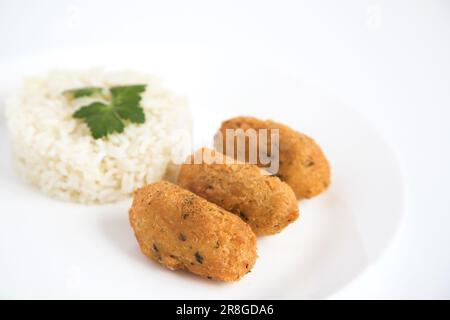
[[57, 153]]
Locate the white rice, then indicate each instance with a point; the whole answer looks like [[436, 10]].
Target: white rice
[[56, 152]]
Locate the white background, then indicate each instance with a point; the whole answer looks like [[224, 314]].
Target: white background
[[390, 60]]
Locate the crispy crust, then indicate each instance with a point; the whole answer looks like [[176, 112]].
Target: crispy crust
[[302, 163], [266, 203], [183, 231]]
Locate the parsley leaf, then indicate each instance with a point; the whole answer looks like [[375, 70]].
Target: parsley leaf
[[104, 118], [84, 92], [101, 119], [126, 101]]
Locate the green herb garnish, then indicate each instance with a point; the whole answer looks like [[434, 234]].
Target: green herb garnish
[[83, 92], [121, 104]]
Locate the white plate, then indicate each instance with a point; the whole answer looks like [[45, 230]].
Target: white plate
[[54, 249]]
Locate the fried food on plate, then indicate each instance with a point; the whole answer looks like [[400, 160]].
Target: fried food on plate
[[266, 203], [181, 230], [302, 164]]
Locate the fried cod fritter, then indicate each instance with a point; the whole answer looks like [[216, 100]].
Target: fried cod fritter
[[181, 230], [266, 203], [302, 164]]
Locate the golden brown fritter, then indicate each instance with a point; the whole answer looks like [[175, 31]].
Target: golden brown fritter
[[302, 163], [180, 230], [266, 203]]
